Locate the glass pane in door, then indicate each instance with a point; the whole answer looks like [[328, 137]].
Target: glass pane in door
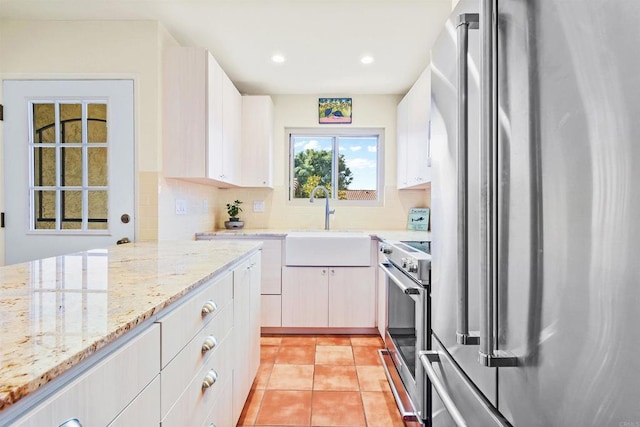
[[97, 123], [98, 210], [71, 123], [44, 205], [69, 160], [71, 207], [44, 119]]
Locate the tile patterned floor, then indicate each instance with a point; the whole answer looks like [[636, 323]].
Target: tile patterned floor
[[322, 380]]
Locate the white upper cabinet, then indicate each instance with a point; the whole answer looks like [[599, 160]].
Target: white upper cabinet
[[202, 119], [230, 150], [257, 141], [413, 145]]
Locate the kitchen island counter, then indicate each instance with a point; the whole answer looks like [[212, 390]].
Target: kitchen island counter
[[57, 312]]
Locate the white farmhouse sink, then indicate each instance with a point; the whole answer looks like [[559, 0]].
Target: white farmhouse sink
[[328, 248]]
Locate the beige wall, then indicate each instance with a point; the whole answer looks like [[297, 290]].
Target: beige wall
[[302, 111], [103, 50]]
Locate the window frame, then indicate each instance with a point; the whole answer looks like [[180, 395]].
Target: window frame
[[336, 133]]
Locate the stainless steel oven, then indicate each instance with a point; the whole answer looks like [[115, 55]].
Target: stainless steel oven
[[407, 268]]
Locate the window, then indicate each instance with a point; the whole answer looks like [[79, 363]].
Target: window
[[347, 162], [68, 179]]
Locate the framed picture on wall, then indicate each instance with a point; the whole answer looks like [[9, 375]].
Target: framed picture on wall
[[334, 110]]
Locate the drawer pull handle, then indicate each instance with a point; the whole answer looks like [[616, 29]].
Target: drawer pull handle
[[209, 343], [74, 422], [210, 379], [209, 307]]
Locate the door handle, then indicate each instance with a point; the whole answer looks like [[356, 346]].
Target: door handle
[[489, 355], [466, 22], [427, 359]]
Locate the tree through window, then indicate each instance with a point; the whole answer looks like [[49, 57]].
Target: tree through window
[[345, 164]]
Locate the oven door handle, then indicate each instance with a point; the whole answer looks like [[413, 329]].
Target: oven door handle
[[406, 289]]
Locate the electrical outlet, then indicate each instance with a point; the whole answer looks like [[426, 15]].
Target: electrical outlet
[[181, 207], [205, 206], [258, 205]]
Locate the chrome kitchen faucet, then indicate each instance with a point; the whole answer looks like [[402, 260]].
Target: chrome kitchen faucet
[[327, 212]]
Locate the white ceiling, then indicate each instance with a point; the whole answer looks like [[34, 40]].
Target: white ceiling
[[323, 41]]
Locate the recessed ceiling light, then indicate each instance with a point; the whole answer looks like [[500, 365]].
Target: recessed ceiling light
[[278, 58], [367, 59]]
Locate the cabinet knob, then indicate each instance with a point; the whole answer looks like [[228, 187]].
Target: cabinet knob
[[209, 379], [209, 307], [74, 422], [209, 343]]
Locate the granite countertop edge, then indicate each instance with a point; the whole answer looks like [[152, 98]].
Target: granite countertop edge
[[19, 380]]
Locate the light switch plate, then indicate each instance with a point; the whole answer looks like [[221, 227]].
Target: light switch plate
[[181, 207], [258, 205]]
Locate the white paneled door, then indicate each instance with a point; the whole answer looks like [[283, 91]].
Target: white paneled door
[[69, 166]]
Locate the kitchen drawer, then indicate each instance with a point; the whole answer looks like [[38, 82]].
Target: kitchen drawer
[[195, 403], [182, 324], [221, 414], [98, 395], [177, 375], [144, 411]]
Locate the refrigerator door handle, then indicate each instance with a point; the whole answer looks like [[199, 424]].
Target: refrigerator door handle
[[427, 358], [466, 21], [489, 355]]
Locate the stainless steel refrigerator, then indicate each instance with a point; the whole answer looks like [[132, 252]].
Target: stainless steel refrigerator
[[535, 136]]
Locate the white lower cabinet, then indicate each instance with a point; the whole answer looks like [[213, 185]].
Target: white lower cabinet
[[246, 320], [352, 297], [305, 297], [271, 275], [210, 377], [144, 411], [101, 393], [328, 297]]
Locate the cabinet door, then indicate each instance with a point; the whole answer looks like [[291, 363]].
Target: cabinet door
[[271, 267], [418, 170], [352, 297], [305, 297], [231, 130], [402, 129], [256, 303], [184, 107], [214, 119], [242, 336], [257, 141]]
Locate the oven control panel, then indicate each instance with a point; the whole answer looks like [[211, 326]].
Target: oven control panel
[[412, 261]]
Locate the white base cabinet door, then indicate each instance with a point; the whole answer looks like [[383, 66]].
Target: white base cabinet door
[[339, 297], [246, 325], [305, 297], [352, 297]]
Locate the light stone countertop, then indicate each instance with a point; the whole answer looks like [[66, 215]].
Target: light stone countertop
[[58, 311], [275, 233]]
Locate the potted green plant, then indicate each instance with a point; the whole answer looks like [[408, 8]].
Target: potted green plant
[[233, 209]]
